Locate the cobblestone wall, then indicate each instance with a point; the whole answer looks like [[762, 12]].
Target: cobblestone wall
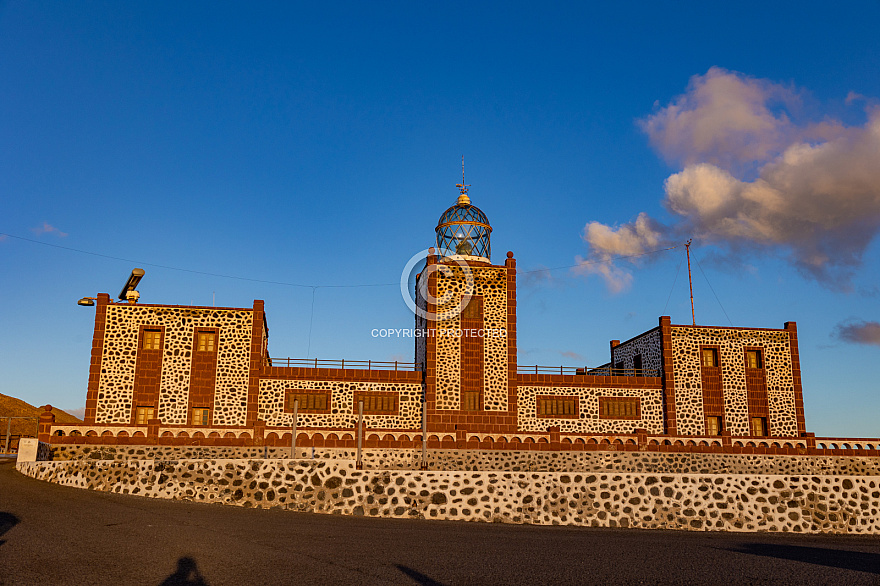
[[342, 411], [647, 346], [116, 387], [588, 419], [515, 461], [686, 343], [699, 502]]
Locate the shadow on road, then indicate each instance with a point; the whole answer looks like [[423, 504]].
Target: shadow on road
[[418, 577], [187, 574], [7, 522], [835, 558]]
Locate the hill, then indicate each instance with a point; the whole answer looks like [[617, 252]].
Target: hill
[[12, 407]]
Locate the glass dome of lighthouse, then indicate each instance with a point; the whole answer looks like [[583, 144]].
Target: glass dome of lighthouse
[[463, 230]]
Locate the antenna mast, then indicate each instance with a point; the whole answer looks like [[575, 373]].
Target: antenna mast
[[687, 248]]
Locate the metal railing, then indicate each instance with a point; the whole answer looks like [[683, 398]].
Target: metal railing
[[9, 434], [582, 370], [343, 364]]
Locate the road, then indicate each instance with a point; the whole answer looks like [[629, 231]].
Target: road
[[52, 534]]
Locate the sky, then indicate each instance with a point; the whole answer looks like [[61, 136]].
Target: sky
[[301, 153]]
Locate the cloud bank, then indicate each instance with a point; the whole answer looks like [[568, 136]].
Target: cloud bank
[[858, 332], [755, 176]]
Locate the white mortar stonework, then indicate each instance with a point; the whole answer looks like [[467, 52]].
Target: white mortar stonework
[[697, 502], [648, 345], [686, 342], [491, 284], [119, 358], [588, 420], [342, 407], [506, 460]]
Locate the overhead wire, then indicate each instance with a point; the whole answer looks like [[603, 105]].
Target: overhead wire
[[713, 292], [309, 286], [313, 287]]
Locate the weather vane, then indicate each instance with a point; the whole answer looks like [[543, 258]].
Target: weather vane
[[462, 187]]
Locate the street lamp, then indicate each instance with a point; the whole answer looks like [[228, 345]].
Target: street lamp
[[128, 292]]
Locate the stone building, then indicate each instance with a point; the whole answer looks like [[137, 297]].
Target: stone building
[[168, 374]]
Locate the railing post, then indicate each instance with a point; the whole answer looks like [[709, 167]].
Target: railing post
[[293, 435], [369, 365], [8, 433], [395, 366], [343, 364], [316, 363], [360, 465]]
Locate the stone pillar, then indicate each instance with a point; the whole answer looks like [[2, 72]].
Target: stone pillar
[[791, 327], [641, 437], [97, 356], [44, 429], [258, 326], [259, 432], [811, 440], [153, 431], [668, 375], [460, 438]]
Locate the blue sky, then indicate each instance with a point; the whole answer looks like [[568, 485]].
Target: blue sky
[[318, 145]]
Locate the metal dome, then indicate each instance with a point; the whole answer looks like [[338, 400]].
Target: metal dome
[[463, 230]]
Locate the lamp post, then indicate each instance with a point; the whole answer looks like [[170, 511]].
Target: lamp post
[[360, 433], [293, 434]]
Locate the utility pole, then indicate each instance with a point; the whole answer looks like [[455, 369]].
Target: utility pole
[[687, 248]]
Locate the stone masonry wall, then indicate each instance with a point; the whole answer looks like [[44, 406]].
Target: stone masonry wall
[[514, 461], [491, 284], [588, 419], [686, 342], [119, 357], [648, 345], [698, 502], [342, 407]]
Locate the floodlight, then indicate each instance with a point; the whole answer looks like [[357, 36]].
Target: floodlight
[[128, 292]]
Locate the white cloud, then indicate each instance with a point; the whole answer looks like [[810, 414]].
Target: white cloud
[[606, 243], [47, 228], [754, 176]]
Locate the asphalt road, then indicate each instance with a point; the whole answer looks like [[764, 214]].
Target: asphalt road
[[52, 534]]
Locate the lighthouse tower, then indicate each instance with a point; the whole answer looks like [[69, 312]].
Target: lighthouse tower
[[469, 350]]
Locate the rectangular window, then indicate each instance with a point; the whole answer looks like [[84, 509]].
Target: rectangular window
[[753, 359], [558, 407], [619, 408], [152, 339], [710, 357], [377, 404], [470, 401], [144, 414], [759, 426], [713, 426], [201, 416], [308, 402], [206, 341]]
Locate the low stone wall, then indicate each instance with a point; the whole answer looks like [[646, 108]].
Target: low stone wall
[[513, 461], [707, 502]]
